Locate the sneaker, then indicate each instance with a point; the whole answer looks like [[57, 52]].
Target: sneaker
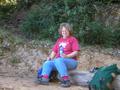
[[65, 83], [42, 81]]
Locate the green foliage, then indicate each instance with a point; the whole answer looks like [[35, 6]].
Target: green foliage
[[26, 4], [117, 36], [39, 23], [43, 19], [6, 36], [6, 8], [5, 11], [7, 2], [108, 1], [97, 33]]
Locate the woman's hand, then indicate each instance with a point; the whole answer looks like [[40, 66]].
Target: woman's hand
[[51, 56], [64, 56], [48, 58]]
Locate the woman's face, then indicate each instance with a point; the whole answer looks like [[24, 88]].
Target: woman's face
[[65, 32]]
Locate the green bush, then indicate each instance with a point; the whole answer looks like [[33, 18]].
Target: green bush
[[43, 19], [5, 11], [8, 7], [97, 33], [39, 23], [117, 36]]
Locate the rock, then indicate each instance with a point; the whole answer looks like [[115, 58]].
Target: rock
[[116, 83]]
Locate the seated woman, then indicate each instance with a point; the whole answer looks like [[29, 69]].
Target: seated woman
[[62, 58]]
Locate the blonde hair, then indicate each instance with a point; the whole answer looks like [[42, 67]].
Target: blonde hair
[[67, 26]]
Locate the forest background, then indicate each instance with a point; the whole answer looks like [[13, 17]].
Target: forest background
[[95, 22]]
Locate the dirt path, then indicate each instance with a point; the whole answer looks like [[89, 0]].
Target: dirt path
[[17, 83], [16, 67]]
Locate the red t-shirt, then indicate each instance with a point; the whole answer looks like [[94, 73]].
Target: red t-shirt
[[69, 44]]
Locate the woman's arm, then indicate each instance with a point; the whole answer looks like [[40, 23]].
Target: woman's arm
[[51, 56], [71, 55]]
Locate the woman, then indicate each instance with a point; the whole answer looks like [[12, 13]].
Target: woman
[[62, 57]]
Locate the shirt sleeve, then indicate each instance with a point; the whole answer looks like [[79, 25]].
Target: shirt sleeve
[[75, 45]]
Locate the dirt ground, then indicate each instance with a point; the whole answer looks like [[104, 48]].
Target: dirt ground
[[17, 83], [17, 76]]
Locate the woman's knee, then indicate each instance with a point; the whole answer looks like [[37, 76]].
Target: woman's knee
[[47, 63], [58, 60]]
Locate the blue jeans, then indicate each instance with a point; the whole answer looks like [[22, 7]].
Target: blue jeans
[[62, 65]]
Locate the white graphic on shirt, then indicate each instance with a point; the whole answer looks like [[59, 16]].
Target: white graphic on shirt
[[63, 44]]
